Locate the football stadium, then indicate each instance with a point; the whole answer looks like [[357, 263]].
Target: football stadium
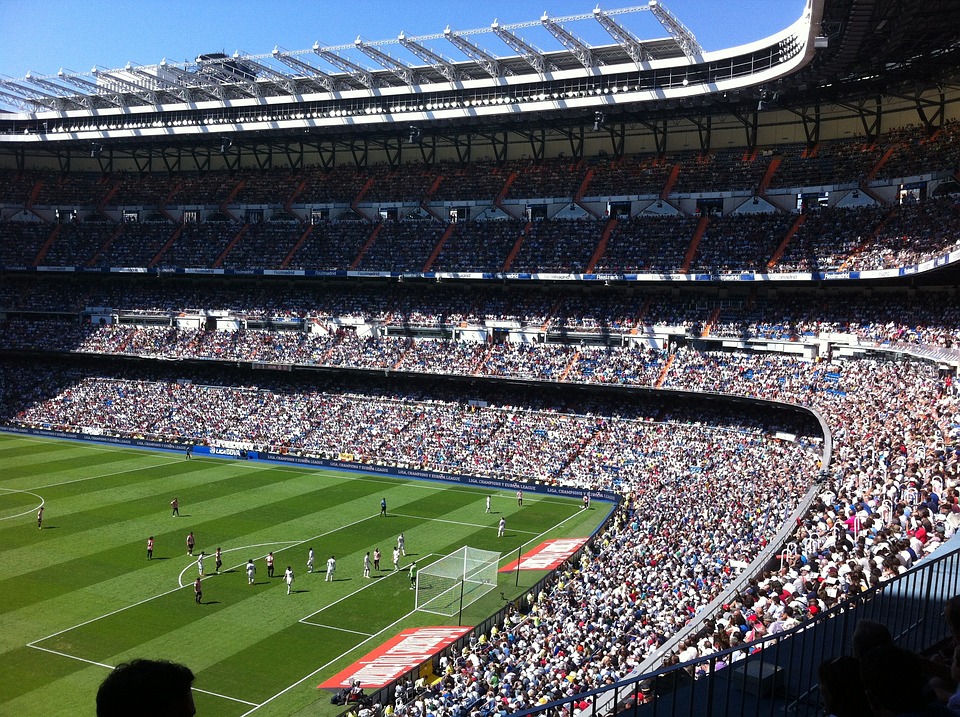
[[489, 372]]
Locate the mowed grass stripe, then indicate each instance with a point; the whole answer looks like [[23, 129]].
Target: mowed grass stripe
[[58, 682], [88, 581], [75, 555], [14, 505], [44, 469], [146, 494]]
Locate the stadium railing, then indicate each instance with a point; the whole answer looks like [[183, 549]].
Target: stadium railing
[[778, 674]]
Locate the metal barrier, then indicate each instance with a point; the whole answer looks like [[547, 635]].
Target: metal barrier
[[777, 675]]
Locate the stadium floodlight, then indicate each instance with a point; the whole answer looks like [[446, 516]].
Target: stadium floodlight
[[144, 93], [360, 74], [230, 72], [633, 46], [285, 81], [483, 58], [678, 31], [159, 82], [92, 88], [30, 97], [60, 97], [194, 80], [314, 74], [23, 101], [457, 580], [528, 52], [570, 41], [437, 62], [401, 70]]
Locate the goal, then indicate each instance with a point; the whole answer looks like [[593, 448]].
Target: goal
[[451, 583]]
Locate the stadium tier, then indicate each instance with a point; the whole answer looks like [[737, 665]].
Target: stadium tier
[[718, 286]]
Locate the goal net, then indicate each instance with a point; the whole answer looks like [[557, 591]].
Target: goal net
[[451, 583]]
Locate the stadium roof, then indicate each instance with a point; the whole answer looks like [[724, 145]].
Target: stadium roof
[[361, 65], [838, 51], [879, 46]]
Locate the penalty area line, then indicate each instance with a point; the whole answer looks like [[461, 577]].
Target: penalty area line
[[328, 664], [111, 667], [460, 522], [305, 621], [384, 574]]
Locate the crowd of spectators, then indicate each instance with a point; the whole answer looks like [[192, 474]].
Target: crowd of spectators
[[863, 237], [563, 246], [402, 246], [647, 244], [479, 246], [138, 245], [637, 174], [828, 236], [699, 501], [740, 242], [911, 235], [915, 151], [724, 170], [890, 498], [839, 162], [926, 317], [556, 178]]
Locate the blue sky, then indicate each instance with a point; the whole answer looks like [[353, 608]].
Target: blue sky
[[43, 37]]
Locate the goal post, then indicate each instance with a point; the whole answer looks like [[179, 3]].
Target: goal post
[[454, 581]]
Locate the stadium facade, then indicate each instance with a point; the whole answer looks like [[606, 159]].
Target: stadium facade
[[847, 73]]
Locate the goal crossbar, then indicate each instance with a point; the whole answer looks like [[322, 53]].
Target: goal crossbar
[[447, 585]]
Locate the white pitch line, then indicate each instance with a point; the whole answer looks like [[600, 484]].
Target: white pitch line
[[356, 474], [369, 639], [230, 550], [458, 522], [104, 475], [325, 666], [111, 667], [304, 621], [350, 595], [289, 543], [439, 484], [225, 697], [27, 512], [544, 533], [72, 657], [101, 617], [281, 468]]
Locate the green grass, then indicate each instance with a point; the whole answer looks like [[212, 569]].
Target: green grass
[[79, 596]]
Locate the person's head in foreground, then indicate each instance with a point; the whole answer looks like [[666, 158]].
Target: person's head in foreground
[[147, 688]]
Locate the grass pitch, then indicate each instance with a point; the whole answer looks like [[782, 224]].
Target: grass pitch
[[79, 596]]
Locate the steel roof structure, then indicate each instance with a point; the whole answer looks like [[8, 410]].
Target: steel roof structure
[[382, 95]]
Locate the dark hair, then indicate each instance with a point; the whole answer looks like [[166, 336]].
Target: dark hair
[[148, 688], [893, 678], [869, 635], [841, 687], [951, 614]]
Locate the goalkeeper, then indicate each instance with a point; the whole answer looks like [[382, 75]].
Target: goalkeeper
[[412, 571]]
